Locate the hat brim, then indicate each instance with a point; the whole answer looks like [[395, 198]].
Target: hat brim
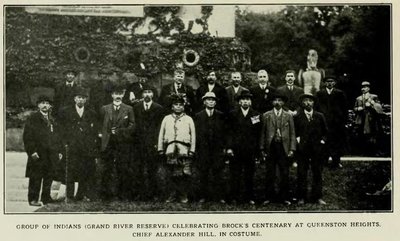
[[303, 96]]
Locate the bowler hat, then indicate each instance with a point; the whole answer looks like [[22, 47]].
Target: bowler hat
[[177, 98], [118, 87], [279, 95], [303, 96], [365, 83], [42, 98], [209, 95], [244, 94], [81, 92], [330, 77], [70, 71]]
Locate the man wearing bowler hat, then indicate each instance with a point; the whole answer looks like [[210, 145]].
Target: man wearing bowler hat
[[210, 127], [118, 123], [277, 143], [43, 147], [79, 131], [311, 132], [65, 92], [244, 125], [332, 102]]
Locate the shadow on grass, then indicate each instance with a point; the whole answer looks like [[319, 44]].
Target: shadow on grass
[[344, 190]]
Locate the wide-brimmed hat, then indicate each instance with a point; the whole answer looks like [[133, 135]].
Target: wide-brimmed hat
[[81, 92], [303, 96], [365, 83], [42, 98], [244, 94], [209, 95]]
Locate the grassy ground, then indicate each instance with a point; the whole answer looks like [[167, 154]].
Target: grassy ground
[[344, 190]]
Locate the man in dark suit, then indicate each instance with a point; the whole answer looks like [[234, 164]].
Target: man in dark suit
[[65, 92], [179, 87], [292, 93], [244, 130], [262, 93], [79, 131], [210, 142], [277, 143], [116, 140], [211, 85], [148, 117], [135, 89], [42, 145], [333, 104], [234, 90], [311, 131]]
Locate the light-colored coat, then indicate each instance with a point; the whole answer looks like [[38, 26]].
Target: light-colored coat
[[287, 131], [174, 132]]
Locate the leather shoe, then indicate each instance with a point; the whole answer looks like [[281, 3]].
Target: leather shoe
[[266, 202], [251, 202], [35, 203], [287, 203], [301, 202]]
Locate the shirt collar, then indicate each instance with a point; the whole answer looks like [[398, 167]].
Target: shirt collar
[[308, 112], [245, 111], [329, 90], [69, 84], [278, 112], [44, 114], [147, 103], [263, 86]]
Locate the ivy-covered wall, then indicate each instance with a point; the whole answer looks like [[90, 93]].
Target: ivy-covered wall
[[40, 47]]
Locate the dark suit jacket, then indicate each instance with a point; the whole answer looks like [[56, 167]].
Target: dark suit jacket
[[269, 125], [233, 103], [333, 106], [167, 90], [64, 96], [262, 99], [244, 132], [125, 124], [310, 132], [293, 102], [220, 93], [210, 135], [147, 124], [41, 137], [80, 133]]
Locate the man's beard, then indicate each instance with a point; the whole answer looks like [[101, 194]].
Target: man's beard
[[147, 99]]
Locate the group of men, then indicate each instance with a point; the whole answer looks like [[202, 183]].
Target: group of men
[[177, 149]]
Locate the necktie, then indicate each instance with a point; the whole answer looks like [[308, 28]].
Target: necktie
[[146, 106], [290, 88], [308, 116]]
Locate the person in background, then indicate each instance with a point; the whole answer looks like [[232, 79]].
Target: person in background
[[311, 135], [179, 87], [211, 85], [262, 93], [64, 92], [292, 93], [234, 90], [42, 144], [177, 142], [368, 108]]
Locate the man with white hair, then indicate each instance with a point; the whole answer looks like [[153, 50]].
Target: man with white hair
[[262, 93]]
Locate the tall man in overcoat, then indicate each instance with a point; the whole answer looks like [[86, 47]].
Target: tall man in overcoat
[[118, 123], [80, 128], [332, 103], [210, 126], [277, 143], [311, 135], [148, 117], [42, 145], [244, 125]]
